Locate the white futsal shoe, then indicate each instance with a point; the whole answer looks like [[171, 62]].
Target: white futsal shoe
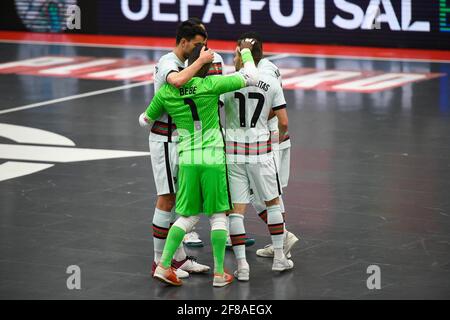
[[289, 240], [242, 274], [192, 239], [181, 274], [282, 264], [191, 265]]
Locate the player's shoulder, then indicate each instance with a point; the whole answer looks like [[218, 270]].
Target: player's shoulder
[[268, 67], [169, 58], [273, 83], [217, 58], [266, 64]]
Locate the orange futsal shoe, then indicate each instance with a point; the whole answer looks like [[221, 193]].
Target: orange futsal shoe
[[221, 280], [167, 275]]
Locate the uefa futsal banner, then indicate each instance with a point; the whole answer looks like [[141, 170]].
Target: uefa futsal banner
[[384, 23], [404, 23]]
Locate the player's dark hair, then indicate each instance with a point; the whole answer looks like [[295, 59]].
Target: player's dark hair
[[189, 31], [195, 21], [203, 72], [257, 50]]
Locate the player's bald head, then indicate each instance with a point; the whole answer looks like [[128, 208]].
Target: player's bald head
[[203, 72]]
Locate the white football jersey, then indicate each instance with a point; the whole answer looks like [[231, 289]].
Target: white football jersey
[[162, 129], [267, 67], [247, 111], [171, 63]]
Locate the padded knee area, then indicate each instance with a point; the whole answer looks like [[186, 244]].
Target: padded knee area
[[219, 222], [187, 223]]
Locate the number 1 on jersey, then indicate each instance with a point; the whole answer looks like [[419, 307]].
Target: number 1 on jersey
[[194, 111]]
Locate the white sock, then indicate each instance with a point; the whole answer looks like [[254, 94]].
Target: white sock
[[276, 226], [185, 223], [237, 235], [242, 264], [283, 212], [161, 224]]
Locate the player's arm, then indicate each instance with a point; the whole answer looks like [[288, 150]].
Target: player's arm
[[246, 77], [279, 109], [179, 79], [250, 72], [283, 122], [153, 112]]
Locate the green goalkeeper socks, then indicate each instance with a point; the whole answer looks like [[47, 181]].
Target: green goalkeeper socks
[[218, 241], [174, 238]]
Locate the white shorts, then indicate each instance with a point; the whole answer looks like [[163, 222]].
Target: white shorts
[[283, 161], [260, 177], [164, 158]]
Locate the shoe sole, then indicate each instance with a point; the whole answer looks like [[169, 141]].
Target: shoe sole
[[287, 250], [288, 255], [193, 245], [263, 255], [195, 272], [241, 278], [282, 269], [183, 277], [219, 285], [165, 280]]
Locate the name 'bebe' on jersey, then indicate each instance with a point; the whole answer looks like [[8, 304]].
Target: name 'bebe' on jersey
[[189, 90]]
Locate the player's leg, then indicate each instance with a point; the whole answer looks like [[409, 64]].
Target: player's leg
[[263, 177], [188, 202], [282, 161], [192, 239], [165, 203], [276, 228], [240, 196], [164, 271], [289, 238], [219, 232], [216, 200], [283, 168]]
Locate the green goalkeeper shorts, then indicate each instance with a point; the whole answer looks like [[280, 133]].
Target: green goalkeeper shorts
[[202, 188]]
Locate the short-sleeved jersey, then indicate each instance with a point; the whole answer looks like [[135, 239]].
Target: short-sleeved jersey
[[247, 111], [267, 67], [163, 129], [194, 109]]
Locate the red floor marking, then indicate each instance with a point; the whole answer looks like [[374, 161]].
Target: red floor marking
[[142, 70], [307, 49]]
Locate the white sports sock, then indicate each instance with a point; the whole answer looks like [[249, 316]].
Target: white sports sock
[[276, 226], [242, 264], [283, 210], [237, 233], [161, 224], [185, 223]]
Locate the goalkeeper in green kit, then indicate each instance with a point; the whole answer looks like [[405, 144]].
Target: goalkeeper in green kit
[[202, 175]]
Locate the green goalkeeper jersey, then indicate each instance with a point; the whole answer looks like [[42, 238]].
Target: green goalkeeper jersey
[[194, 109]]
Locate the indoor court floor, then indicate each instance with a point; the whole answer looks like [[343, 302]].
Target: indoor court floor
[[369, 183]]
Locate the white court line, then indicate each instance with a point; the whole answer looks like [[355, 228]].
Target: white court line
[[278, 56], [77, 96], [307, 55]]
